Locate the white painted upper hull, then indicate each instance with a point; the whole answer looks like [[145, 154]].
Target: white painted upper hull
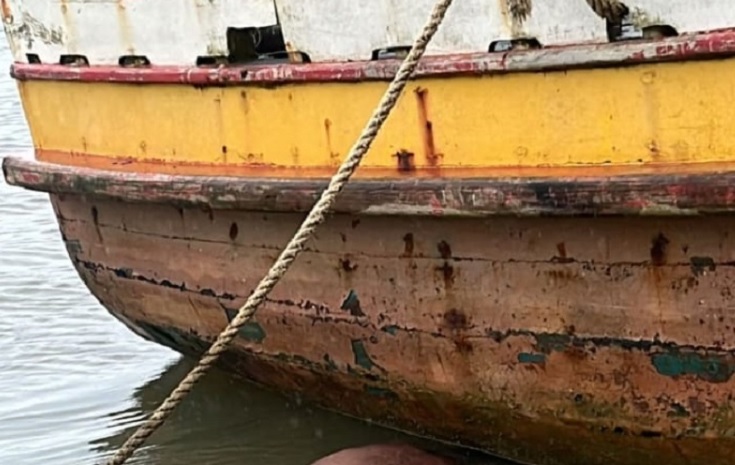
[[176, 32]]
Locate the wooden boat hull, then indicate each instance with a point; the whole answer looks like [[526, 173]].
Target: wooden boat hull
[[555, 341], [534, 259]]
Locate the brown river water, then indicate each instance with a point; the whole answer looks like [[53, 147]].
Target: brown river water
[[74, 383]]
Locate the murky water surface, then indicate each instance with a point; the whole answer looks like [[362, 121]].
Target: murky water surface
[[74, 383]]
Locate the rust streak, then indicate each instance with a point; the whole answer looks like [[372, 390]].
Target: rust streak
[[408, 245], [333, 156], [426, 127], [126, 36], [405, 161], [457, 323]]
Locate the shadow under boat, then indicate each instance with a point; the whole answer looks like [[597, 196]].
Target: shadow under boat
[[228, 421]]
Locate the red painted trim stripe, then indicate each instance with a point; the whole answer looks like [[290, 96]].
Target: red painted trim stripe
[[715, 44]]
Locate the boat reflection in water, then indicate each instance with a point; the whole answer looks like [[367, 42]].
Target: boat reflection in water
[[227, 422]]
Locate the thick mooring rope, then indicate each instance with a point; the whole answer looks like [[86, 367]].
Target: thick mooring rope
[[316, 216], [612, 10]]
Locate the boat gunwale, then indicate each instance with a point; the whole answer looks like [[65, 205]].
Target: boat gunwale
[[686, 47], [651, 194]]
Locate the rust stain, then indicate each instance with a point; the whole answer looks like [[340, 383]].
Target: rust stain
[[426, 127], [96, 222], [234, 231], [445, 250], [659, 250], [562, 249], [561, 257], [293, 53], [405, 161], [70, 25], [126, 36], [347, 265], [457, 324], [408, 245], [150, 165], [563, 275], [446, 270], [333, 156], [514, 14]]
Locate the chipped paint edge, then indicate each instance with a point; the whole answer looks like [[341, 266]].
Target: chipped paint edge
[[709, 45], [630, 194]]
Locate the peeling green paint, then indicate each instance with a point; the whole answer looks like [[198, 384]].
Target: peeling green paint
[[253, 332], [713, 368], [474, 408], [550, 342], [526, 357], [362, 358], [392, 329], [351, 303]]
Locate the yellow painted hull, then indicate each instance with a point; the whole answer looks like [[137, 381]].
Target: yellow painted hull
[[671, 113]]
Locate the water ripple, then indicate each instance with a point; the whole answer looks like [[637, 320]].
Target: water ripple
[[66, 363]]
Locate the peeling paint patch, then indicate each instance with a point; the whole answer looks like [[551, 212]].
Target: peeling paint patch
[[126, 273], [526, 357], [677, 411], [700, 265], [362, 358], [391, 329], [251, 331], [331, 366], [551, 342], [713, 368], [352, 304]]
